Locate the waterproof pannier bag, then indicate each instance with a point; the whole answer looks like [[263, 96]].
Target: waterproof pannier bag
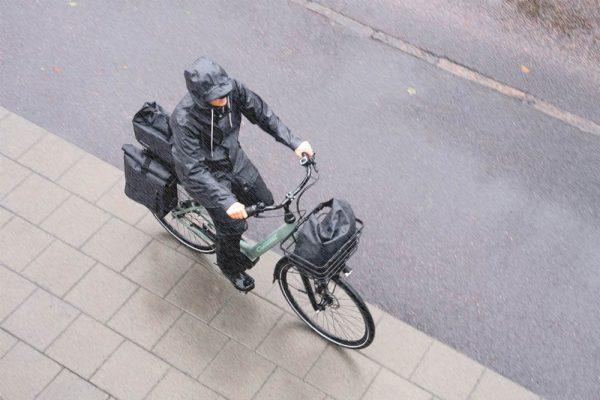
[[328, 227], [148, 181], [151, 129]]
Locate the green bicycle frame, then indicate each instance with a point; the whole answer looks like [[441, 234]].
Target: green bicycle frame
[[249, 250], [256, 250]]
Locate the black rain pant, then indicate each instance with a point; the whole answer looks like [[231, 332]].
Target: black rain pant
[[229, 230]]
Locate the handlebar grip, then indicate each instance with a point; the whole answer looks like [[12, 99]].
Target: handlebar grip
[[305, 160], [254, 209], [251, 211]]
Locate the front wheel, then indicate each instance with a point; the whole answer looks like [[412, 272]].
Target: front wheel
[[332, 309]]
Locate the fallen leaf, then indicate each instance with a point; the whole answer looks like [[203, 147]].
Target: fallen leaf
[[72, 4], [411, 91], [57, 70], [524, 69], [187, 12], [125, 66]]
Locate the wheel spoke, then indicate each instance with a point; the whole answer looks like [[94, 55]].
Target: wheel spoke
[[199, 217]]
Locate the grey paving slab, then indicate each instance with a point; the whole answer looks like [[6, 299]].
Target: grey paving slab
[[51, 156], [178, 386], [17, 135], [493, 386], [237, 372], [283, 385], [353, 373], [201, 292], [130, 373], [35, 198], [11, 174], [158, 268], [190, 345], [25, 372], [68, 386], [7, 341], [247, 318], [58, 268], [75, 221], [84, 346], [292, 345], [117, 203], [389, 386], [398, 346], [101, 292], [13, 291], [90, 177], [276, 297], [5, 215], [21, 242], [116, 244], [40, 319], [447, 373], [144, 318]]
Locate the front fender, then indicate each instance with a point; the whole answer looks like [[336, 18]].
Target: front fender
[[280, 264]]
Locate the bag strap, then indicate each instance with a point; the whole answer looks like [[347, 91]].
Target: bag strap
[[146, 164], [326, 203]]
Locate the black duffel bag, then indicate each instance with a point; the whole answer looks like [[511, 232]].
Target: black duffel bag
[[148, 181], [151, 129], [324, 233]]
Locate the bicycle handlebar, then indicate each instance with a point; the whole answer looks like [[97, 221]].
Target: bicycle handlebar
[[306, 162]]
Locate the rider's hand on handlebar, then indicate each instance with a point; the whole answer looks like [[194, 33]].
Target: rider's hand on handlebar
[[304, 147], [237, 211]]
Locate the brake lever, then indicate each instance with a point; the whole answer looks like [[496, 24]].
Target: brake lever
[[255, 209], [311, 161]]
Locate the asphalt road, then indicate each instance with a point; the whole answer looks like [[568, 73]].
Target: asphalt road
[[549, 48], [482, 214]]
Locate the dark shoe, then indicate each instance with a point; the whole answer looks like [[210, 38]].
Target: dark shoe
[[241, 281]]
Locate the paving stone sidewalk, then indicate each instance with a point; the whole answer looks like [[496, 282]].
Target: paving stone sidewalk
[[98, 302]]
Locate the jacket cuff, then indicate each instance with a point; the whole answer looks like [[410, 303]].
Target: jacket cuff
[[228, 202], [295, 142]]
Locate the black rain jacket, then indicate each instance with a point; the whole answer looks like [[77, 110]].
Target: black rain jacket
[[205, 141]]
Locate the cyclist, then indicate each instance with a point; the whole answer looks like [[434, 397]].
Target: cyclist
[[210, 162]]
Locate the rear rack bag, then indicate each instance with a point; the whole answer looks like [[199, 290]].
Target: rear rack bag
[[149, 182], [151, 129]]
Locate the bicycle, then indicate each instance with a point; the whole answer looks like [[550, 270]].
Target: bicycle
[[331, 315]]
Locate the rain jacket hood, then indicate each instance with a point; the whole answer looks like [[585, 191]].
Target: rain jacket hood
[[205, 141], [206, 80]]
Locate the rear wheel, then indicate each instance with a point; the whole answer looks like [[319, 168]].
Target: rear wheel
[[340, 315], [194, 228]]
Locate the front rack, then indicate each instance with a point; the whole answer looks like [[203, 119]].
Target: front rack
[[333, 265]]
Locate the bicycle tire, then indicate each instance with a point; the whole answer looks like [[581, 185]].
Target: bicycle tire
[[369, 325], [170, 228]]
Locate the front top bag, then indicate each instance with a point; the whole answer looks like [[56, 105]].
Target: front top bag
[[323, 234], [149, 182], [151, 129]]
